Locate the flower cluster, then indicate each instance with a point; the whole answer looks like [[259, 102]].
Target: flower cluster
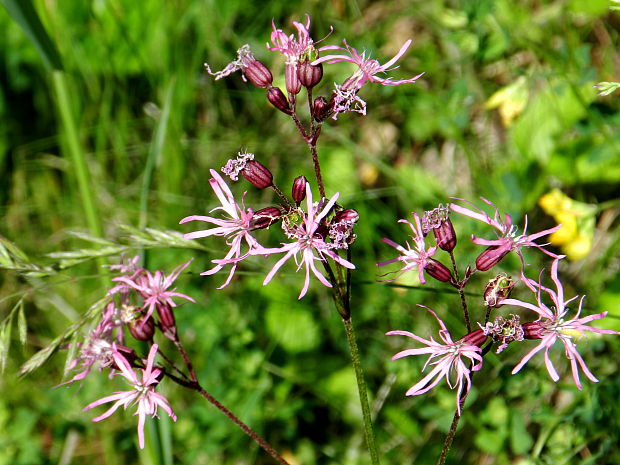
[[314, 235], [304, 67], [455, 361], [141, 302]]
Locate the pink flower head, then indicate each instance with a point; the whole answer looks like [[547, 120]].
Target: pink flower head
[[253, 70], [507, 237], [307, 243], [153, 288], [416, 257], [142, 393], [553, 325], [345, 96], [236, 228], [447, 359], [294, 49]]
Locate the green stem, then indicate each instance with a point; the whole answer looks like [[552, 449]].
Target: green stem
[[77, 157], [361, 387]]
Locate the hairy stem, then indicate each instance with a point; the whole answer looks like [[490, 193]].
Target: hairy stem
[[361, 387], [195, 386], [461, 292]]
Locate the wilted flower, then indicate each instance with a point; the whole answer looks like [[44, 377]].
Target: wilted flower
[[507, 239], [447, 359], [504, 330], [236, 228], [143, 393], [307, 242], [553, 325], [256, 72]]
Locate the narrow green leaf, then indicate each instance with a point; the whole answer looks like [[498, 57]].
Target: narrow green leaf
[[41, 356], [24, 14]]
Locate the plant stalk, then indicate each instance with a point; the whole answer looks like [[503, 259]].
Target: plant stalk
[[361, 387]]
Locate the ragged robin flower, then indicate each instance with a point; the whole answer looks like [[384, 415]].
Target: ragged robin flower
[[142, 393], [235, 228], [447, 359], [308, 246], [555, 324], [508, 238], [345, 96]]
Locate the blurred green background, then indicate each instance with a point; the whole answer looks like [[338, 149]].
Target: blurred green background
[[506, 110]]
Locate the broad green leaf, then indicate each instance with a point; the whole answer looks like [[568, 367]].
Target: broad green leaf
[[520, 440]]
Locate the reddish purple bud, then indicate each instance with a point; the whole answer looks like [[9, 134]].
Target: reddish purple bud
[[321, 108], [497, 289], [533, 330], [348, 214], [265, 217], [492, 256], [277, 98], [167, 321], [476, 338], [257, 73], [438, 271], [141, 329], [257, 174], [299, 189], [291, 78], [310, 75]]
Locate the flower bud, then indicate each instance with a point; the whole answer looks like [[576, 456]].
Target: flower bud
[[533, 330], [265, 217], [310, 75], [321, 108], [257, 73], [348, 214], [476, 338], [438, 271], [167, 321], [277, 98], [299, 189], [257, 174], [141, 329], [492, 256], [291, 78], [497, 289]]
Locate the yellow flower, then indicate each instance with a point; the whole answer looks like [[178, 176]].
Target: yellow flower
[[510, 100], [577, 220]]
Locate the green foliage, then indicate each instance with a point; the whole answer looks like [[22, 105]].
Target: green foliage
[[118, 146]]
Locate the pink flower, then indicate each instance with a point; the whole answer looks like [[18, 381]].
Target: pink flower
[[553, 325], [447, 359], [416, 257], [345, 97], [154, 288], [236, 228], [367, 68], [507, 237], [307, 242], [143, 393], [296, 50]]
